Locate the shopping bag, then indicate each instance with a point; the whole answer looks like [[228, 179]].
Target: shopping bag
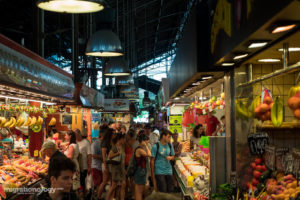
[[88, 182]]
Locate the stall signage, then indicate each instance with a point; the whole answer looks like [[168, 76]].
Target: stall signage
[[175, 119], [257, 143], [116, 105], [22, 71], [175, 128], [270, 156]]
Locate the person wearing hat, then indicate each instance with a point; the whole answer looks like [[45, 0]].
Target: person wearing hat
[[50, 149]]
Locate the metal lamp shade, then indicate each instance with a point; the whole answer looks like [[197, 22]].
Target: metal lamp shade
[[104, 43], [116, 67], [71, 6]]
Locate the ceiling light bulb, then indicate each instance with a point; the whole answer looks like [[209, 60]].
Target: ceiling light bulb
[[206, 77], [269, 60], [280, 29], [240, 56], [257, 45], [71, 6], [227, 64], [291, 49]]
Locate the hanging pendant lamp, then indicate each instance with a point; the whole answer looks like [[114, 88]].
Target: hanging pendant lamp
[[117, 67], [71, 6], [104, 43]]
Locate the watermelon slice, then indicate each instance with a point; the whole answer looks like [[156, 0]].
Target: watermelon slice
[[2, 192]]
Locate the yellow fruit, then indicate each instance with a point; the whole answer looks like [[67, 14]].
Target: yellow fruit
[[33, 121], [39, 121], [277, 113], [7, 124], [52, 121], [3, 121], [13, 124], [27, 122]]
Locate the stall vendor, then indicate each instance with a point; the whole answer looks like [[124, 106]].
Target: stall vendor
[[212, 124], [5, 140]]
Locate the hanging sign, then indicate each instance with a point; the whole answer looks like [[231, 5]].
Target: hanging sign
[[257, 143], [116, 105], [175, 128], [175, 119]]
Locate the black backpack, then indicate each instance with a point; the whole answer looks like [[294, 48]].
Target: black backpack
[[132, 164]]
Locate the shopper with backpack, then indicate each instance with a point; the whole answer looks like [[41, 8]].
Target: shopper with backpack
[[161, 168], [140, 173]]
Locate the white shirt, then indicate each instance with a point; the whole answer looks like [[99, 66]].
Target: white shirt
[[85, 150]]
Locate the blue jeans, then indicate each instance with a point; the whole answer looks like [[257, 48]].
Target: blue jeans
[[164, 183]]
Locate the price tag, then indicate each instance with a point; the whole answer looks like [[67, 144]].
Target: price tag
[[40, 153], [296, 161], [257, 143], [270, 157], [26, 141], [280, 158], [36, 153]]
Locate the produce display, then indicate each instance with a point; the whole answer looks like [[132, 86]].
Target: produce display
[[294, 101], [21, 172], [194, 175]]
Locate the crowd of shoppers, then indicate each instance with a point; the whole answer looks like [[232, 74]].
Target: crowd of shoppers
[[109, 157]]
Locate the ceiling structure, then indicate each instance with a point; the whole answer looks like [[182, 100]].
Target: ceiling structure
[[146, 28]]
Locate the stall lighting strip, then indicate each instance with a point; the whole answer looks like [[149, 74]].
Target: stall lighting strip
[[22, 99]]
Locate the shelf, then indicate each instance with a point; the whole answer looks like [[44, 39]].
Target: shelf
[[183, 188], [285, 126]]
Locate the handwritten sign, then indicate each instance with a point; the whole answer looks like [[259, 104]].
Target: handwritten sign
[[280, 156], [257, 143], [270, 156]]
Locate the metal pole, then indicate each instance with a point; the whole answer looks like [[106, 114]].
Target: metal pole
[[42, 33], [75, 47], [285, 55]]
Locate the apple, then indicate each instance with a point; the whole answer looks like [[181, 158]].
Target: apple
[[256, 174], [255, 182]]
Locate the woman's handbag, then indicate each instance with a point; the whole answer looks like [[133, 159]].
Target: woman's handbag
[[115, 160]]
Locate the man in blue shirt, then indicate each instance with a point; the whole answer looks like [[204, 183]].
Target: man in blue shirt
[[161, 168]]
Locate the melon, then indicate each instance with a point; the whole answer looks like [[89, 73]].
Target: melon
[[2, 192]]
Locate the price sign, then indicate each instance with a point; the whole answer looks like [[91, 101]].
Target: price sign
[[175, 129], [257, 143], [280, 156], [270, 157], [175, 119], [288, 163], [26, 141], [296, 161], [36, 153]]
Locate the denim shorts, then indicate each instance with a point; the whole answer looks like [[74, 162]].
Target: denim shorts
[[140, 176]]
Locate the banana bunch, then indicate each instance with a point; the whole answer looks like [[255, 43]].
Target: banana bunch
[[33, 121], [11, 123], [20, 121], [52, 121], [28, 121], [2, 121], [242, 109], [39, 121], [277, 113]]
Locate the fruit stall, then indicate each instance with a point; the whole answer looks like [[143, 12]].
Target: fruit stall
[[31, 88], [267, 120]]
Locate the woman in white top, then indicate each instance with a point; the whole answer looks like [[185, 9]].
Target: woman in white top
[[72, 152]]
